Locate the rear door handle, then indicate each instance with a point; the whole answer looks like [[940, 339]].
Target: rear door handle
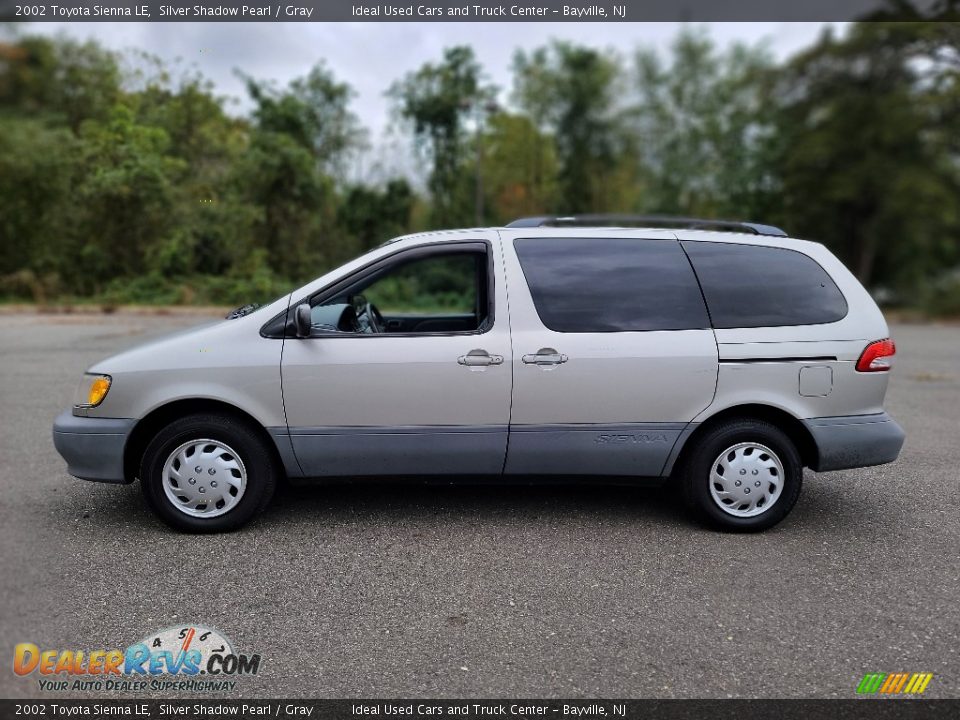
[[479, 358], [545, 356]]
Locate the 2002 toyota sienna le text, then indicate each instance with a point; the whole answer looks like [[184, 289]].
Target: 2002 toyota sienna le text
[[725, 357]]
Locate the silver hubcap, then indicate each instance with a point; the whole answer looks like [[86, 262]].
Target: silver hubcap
[[746, 479], [204, 478]]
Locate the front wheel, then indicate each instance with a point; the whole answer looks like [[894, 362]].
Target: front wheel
[[743, 475], [208, 473]]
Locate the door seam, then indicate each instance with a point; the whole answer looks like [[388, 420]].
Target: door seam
[[506, 291]]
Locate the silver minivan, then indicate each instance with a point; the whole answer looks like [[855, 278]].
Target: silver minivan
[[723, 357]]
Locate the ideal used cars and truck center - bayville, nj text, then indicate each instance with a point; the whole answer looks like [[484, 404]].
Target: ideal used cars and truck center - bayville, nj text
[[483, 11]]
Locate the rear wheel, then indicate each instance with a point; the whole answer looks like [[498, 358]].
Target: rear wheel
[[208, 473], [743, 475]]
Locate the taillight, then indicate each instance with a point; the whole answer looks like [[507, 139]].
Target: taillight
[[877, 356]]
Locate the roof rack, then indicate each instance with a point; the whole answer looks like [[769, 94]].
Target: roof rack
[[665, 221]]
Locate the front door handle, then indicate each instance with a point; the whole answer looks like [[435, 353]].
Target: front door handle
[[545, 356], [479, 358]]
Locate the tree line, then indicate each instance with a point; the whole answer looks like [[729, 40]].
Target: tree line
[[124, 178]]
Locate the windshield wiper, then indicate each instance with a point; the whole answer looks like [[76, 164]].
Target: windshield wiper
[[242, 310]]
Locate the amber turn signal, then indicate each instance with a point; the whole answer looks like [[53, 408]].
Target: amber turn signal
[[98, 390]]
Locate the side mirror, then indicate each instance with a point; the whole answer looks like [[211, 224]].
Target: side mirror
[[302, 320]]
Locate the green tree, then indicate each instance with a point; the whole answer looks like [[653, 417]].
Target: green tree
[[314, 112], [437, 101], [40, 166], [126, 194], [374, 215], [62, 77], [301, 136], [519, 168], [700, 123], [214, 233], [571, 92], [862, 149]]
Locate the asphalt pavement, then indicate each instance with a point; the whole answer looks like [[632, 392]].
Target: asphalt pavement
[[410, 591]]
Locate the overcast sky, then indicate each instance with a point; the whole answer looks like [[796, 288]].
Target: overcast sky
[[370, 56]]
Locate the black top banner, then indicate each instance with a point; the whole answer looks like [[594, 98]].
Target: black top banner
[[476, 10]]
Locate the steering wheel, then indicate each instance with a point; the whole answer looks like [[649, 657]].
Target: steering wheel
[[375, 321]]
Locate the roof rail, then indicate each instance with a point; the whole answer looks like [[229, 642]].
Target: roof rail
[[666, 221]]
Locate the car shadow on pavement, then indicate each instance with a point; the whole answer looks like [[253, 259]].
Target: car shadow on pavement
[[406, 499], [398, 501], [822, 508]]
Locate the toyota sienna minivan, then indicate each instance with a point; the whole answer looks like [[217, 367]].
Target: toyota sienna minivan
[[722, 357]]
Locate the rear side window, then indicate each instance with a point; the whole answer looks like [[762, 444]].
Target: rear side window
[[754, 286], [611, 285]]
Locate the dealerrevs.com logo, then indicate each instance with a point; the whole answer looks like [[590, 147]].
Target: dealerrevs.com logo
[[190, 659]]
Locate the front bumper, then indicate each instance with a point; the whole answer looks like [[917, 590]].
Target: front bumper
[[854, 441], [92, 447]]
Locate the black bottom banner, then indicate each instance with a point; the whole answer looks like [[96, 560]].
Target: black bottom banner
[[483, 709]]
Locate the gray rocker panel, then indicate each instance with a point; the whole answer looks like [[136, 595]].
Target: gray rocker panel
[[636, 449], [332, 452]]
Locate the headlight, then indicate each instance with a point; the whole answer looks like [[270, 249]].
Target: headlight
[[92, 390]]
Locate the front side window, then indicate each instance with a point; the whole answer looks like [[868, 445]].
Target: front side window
[[442, 292], [611, 284], [760, 286]]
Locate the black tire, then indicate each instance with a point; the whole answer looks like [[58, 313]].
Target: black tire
[[247, 444], [697, 466]]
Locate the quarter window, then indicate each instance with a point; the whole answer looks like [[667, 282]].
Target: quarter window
[[611, 284], [759, 286]]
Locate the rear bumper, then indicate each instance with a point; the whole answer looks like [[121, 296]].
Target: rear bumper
[[92, 447], [854, 441]]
